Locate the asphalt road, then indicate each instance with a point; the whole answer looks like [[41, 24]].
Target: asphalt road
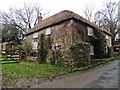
[[104, 76], [0, 77]]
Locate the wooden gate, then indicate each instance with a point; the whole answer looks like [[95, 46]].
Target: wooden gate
[[10, 55]]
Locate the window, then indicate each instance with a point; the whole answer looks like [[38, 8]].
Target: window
[[48, 31], [90, 31], [107, 37], [0, 46], [107, 49], [57, 45], [91, 50], [71, 21], [35, 35], [34, 45]]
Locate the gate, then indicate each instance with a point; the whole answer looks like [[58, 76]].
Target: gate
[[10, 55]]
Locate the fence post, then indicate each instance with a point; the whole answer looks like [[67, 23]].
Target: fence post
[[19, 55]]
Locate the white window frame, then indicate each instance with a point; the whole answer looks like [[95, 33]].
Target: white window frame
[[34, 45], [91, 49], [0, 46], [107, 37], [35, 35], [48, 31], [57, 45], [90, 31]]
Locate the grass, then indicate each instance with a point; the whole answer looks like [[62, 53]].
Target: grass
[[13, 72]]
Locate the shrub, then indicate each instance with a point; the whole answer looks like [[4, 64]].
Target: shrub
[[99, 42]]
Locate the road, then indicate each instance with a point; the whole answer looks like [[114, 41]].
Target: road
[[0, 76], [104, 76]]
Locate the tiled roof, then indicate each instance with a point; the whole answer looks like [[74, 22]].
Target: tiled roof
[[59, 17]]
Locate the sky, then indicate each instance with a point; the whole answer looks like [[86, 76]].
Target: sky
[[55, 6]]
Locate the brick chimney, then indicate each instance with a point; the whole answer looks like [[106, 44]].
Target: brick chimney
[[40, 18]]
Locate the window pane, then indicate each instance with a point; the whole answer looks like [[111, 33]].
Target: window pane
[[91, 50], [48, 31], [57, 45], [107, 37], [90, 31], [34, 45], [35, 35]]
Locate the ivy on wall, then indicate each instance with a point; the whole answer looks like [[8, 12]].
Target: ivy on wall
[[80, 53], [99, 42]]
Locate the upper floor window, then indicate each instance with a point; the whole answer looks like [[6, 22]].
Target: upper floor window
[[90, 31], [107, 37], [35, 35], [48, 31]]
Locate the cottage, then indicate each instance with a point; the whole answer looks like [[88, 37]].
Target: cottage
[[70, 34]]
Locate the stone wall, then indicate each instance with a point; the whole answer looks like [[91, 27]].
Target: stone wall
[[73, 37], [77, 55], [80, 32], [76, 48]]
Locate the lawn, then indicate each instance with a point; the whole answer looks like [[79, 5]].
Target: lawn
[[14, 71]]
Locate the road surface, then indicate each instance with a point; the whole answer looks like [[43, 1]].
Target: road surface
[[104, 76], [0, 76]]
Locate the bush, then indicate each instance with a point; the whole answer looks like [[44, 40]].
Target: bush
[[99, 42]]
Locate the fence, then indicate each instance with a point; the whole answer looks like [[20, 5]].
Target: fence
[[16, 55]]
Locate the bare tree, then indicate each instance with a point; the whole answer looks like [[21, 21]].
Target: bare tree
[[89, 12], [107, 18], [23, 17]]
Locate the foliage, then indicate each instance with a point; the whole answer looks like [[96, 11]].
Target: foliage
[[74, 56], [48, 42], [26, 47], [107, 18], [117, 42], [79, 52], [22, 17], [43, 49], [56, 58], [99, 42], [10, 33]]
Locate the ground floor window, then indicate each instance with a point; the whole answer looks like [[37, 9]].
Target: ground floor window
[[34, 45], [57, 45], [106, 49], [91, 50]]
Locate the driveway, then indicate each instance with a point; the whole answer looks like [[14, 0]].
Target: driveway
[[104, 76]]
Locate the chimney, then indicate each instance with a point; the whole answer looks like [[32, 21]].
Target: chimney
[[40, 18]]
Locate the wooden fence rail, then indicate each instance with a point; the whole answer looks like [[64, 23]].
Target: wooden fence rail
[[12, 54]]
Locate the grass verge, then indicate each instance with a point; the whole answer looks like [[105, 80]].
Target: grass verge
[[13, 72]]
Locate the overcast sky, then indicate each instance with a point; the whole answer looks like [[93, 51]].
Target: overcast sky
[[55, 6]]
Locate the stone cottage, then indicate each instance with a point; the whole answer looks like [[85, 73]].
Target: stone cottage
[[70, 34]]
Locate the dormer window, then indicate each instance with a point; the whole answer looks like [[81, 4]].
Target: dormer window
[[35, 35], [48, 31], [90, 31]]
